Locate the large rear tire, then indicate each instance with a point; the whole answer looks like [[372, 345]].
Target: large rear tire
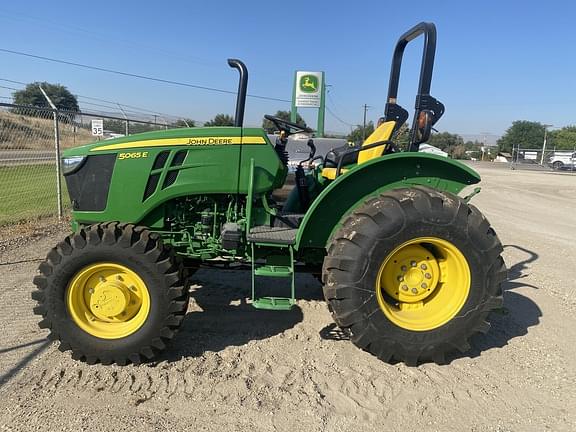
[[412, 274], [111, 293]]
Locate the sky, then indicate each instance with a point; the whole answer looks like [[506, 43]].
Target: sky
[[496, 61]]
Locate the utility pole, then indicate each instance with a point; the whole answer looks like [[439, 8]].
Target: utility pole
[[364, 123], [546, 126]]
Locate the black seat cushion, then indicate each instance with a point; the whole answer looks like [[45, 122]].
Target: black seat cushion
[[332, 157]]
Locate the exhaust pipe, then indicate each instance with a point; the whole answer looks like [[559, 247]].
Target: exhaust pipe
[[242, 88]]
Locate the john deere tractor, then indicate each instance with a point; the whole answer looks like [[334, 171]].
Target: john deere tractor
[[410, 269]]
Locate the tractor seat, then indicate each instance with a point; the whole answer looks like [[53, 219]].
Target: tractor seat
[[382, 133]]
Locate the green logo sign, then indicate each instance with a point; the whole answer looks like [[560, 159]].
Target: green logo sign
[[308, 84]]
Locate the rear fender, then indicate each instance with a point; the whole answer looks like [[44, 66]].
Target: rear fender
[[373, 177]]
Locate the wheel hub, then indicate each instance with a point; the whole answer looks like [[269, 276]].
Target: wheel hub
[[109, 300], [423, 283], [411, 274]]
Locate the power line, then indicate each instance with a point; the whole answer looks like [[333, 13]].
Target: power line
[[338, 118], [113, 103], [133, 75]]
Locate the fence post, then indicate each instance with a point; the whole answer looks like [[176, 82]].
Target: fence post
[[57, 148]]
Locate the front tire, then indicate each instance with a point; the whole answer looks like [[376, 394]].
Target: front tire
[[111, 293], [412, 274]]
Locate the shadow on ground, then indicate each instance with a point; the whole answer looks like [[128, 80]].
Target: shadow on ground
[[518, 314], [227, 319]]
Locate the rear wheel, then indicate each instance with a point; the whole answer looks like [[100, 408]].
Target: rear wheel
[[111, 293], [557, 165], [412, 274]]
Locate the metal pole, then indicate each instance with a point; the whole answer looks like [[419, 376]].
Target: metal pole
[[126, 122], [364, 123], [546, 126], [293, 109], [57, 148], [322, 109]]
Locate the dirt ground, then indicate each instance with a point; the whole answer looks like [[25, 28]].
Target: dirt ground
[[232, 368]]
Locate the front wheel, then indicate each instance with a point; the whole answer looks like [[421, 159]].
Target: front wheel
[[557, 165], [111, 293], [412, 274]]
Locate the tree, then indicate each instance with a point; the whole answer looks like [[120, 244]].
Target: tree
[[562, 139], [182, 123], [359, 134], [446, 141], [60, 96], [221, 120], [269, 126], [526, 134]]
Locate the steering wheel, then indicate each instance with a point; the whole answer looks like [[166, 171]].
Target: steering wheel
[[286, 126]]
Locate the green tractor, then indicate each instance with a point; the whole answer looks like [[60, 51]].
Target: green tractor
[[410, 270]]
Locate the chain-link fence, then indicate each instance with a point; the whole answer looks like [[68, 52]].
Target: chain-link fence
[[544, 159], [31, 141]]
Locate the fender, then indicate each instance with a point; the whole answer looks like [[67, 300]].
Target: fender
[[374, 177]]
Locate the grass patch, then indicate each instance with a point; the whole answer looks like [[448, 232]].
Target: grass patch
[[28, 192]]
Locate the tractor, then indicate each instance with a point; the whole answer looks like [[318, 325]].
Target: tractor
[[410, 270]]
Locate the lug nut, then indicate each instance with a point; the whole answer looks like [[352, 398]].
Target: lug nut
[[428, 276], [400, 278], [102, 279], [414, 290], [403, 268], [423, 267], [413, 263], [424, 286], [405, 287], [91, 290]]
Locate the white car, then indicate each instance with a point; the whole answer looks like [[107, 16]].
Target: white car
[[563, 160]]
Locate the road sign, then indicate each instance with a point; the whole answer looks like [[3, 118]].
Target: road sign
[[308, 89], [97, 127]]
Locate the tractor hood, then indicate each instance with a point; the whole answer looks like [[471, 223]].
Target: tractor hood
[[205, 136]]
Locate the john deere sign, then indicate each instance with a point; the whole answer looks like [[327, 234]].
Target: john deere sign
[[308, 89]]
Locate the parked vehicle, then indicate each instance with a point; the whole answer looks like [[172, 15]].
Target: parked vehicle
[[563, 161]]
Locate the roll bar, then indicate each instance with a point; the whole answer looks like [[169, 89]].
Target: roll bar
[[242, 88], [424, 101]]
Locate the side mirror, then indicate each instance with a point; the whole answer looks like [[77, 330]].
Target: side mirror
[[424, 128]]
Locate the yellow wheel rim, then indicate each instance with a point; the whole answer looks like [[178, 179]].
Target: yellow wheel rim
[[423, 283], [108, 300]]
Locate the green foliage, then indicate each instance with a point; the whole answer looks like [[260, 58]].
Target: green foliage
[[60, 96], [119, 127], [221, 120], [403, 137], [182, 123], [526, 134], [562, 139], [269, 127], [446, 141], [358, 135]]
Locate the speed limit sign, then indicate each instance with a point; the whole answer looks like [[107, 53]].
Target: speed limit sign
[[97, 127]]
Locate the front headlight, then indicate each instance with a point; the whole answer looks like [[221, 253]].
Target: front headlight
[[72, 164]]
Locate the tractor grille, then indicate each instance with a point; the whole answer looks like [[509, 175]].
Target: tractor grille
[[170, 179], [88, 187], [151, 186], [161, 160], [171, 176], [179, 158]]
